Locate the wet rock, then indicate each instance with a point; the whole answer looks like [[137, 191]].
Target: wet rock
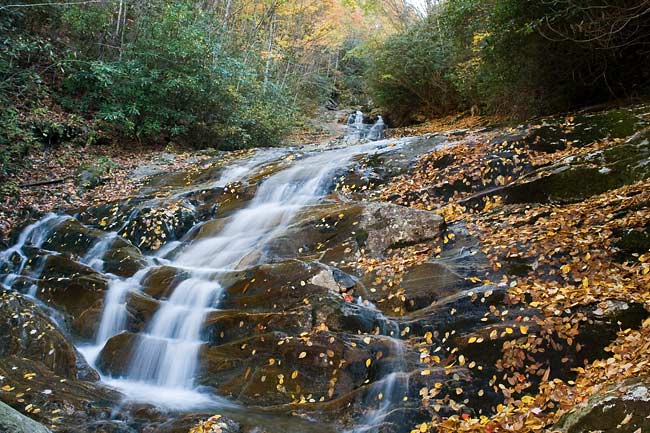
[[115, 356], [343, 316], [429, 282], [602, 323], [25, 331], [76, 241], [576, 178], [61, 403], [186, 423], [335, 280], [336, 232], [221, 202], [584, 128], [392, 226], [123, 259], [285, 369], [140, 309], [461, 312], [225, 326], [621, 409], [160, 282], [14, 422], [69, 286], [317, 229], [149, 227], [86, 324], [271, 287], [72, 238]]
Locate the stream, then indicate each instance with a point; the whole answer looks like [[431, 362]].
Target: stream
[[162, 366], [281, 291]]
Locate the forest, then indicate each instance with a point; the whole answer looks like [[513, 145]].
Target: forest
[[235, 74], [333, 216]]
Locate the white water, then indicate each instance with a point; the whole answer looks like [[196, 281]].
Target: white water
[[358, 130], [391, 389], [377, 130], [94, 256], [238, 171], [166, 356], [114, 313], [164, 362], [34, 235]]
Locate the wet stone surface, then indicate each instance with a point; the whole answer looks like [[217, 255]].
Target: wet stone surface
[[349, 309]]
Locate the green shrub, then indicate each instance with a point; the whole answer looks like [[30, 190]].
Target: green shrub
[[409, 74], [519, 58], [175, 77]]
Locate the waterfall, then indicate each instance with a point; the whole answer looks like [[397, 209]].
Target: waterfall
[[94, 257], [390, 386], [165, 358], [34, 235], [114, 313], [359, 130]]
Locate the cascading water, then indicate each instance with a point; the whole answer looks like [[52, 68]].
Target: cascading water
[[167, 353], [393, 386], [359, 130], [33, 235], [164, 360], [113, 319]]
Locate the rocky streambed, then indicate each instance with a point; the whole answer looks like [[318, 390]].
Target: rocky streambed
[[459, 281]]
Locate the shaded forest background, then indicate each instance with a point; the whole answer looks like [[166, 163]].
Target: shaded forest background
[[240, 73]]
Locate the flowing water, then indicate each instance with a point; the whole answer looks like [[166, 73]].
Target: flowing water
[[164, 361], [358, 130], [167, 353]]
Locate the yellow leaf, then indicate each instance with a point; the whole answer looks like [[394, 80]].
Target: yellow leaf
[[523, 329], [302, 355]]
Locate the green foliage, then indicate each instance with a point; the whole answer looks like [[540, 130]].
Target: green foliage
[[159, 74], [16, 138], [174, 77], [519, 58], [409, 74]]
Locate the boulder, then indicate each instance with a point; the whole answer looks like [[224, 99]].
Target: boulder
[[623, 408], [123, 259], [428, 282], [69, 286], [576, 178], [387, 226], [25, 331], [12, 421]]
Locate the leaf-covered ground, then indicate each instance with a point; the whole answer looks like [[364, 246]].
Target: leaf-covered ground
[[113, 167], [563, 263], [574, 255]]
